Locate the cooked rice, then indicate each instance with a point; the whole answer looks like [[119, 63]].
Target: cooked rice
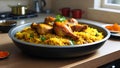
[[87, 36]]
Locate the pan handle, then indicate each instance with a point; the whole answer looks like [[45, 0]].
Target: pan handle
[[44, 3]]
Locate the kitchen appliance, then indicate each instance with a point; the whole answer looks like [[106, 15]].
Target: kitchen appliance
[[10, 16], [39, 5], [18, 9]]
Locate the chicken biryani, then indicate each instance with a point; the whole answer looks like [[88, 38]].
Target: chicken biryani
[[59, 31]]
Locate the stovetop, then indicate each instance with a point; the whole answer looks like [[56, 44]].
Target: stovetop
[[10, 16]]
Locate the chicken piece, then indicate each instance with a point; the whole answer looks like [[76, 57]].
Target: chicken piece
[[49, 20], [79, 27], [42, 28], [72, 22], [62, 29]]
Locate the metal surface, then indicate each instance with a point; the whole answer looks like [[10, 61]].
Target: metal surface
[[39, 5], [18, 9], [6, 25], [10, 16]]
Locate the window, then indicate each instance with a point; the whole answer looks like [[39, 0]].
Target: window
[[111, 4], [117, 2]]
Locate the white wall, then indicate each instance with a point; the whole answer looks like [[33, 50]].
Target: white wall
[[97, 15]]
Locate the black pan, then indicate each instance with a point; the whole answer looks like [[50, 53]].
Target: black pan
[[47, 51], [6, 25]]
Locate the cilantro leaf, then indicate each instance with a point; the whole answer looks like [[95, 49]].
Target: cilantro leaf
[[60, 18]]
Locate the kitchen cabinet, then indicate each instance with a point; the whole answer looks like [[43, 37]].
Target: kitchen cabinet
[[114, 64]]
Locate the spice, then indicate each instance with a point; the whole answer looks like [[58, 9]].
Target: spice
[[4, 54]]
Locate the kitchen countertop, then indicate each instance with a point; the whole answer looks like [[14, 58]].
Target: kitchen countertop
[[110, 51]]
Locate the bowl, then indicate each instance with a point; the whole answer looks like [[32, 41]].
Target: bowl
[[6, 25], [47, 51]]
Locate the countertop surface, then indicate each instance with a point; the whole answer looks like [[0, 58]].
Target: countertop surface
[[108, 52]]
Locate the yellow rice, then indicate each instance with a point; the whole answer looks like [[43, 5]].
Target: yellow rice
[[87, 36]]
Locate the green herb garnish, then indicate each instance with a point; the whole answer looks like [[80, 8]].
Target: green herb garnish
[[97, 34], [71, 42], [42, 38], [60, 18], [31, 35]]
